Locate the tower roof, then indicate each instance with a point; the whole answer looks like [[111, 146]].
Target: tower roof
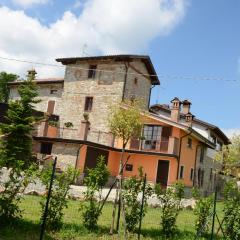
[[124, 57]]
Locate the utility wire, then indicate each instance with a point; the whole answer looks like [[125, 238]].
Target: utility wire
[[121, 72]]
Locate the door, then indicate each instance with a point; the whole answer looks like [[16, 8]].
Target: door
[[92, 155], [162, 172]]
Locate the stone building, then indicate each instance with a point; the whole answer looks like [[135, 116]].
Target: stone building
[[177, 146]]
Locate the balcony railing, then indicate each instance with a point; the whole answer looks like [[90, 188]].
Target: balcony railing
[[166, 145]]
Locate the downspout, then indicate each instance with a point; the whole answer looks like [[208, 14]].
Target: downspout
[[195, 165], [125, 79], [180, 150], [150, 93], [78, 151]]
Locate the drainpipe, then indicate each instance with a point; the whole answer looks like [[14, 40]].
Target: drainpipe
[[125, 79], [180, 150], [78, 151], [150, 93], [195, 165]]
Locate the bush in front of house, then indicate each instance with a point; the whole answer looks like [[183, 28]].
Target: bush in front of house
[[95, 181], [170, 199], [58, 200], [202, 211], [232, 210], [132, 188]]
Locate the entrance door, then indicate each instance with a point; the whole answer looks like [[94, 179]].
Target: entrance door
[[92, 155], [162, 172]]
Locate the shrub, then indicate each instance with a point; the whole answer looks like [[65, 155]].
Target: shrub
[[96, 179], [170, 206], [132, 188], [202, 212], [68, 124], [232, 210], [11, 196], [58, 201]]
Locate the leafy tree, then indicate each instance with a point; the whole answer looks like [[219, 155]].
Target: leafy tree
[[95, 181], [229, 157], [16, 149], [125, 122], [5, 78]]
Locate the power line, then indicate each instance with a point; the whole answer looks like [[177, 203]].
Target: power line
[[196, 78]]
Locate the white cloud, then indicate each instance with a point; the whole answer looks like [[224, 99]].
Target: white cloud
[[231, 132], [107, 27], [29, 3]]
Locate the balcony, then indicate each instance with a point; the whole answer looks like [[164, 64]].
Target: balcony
[[168, 145]]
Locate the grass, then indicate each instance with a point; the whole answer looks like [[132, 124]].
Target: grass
[[29, 226]]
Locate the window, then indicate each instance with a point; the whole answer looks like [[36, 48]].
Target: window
[[219, 146], [88, 104], [46, 148], [92, 71], [211, 174], [191, 174], [189, 143], [152, 136], [202, 154], [129, 167], [53, 91], [135, 81], [213, 139], [202, 178], [181, 172]]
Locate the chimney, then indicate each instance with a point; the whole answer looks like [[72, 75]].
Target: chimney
[[189, 118], [175, 109], [31, 74], [186, 106]]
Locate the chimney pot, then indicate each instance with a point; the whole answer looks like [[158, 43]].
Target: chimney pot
[[186, 106], [31, 74], [175, 109]]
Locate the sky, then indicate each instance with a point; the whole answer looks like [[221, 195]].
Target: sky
[[194, 45]]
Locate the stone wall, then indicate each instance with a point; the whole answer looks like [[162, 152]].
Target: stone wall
[[44, 91], [106, 89]]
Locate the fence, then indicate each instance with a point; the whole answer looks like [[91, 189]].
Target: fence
[[149, 227]]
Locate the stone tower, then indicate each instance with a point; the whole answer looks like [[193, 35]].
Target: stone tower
[[93, 84]]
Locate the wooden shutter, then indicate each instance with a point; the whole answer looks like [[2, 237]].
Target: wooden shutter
[[134, 144], [50, 108], [166, 133]]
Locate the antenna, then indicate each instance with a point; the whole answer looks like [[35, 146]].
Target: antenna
[[83, 49]]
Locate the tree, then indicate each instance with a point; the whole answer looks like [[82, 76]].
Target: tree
[[229, 156], [5, 78], [16, 149], [125, 122]]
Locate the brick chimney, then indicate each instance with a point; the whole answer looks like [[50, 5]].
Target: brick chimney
[[31, 74], [189, 118], [175, 109], [186, 106]]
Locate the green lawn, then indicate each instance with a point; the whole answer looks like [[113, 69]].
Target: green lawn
[[29, 227]]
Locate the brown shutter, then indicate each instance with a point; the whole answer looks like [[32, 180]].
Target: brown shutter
[[134, 144], [50, 108], [166, 133]]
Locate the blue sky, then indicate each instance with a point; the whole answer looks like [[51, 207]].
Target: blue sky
[[189, 41]]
